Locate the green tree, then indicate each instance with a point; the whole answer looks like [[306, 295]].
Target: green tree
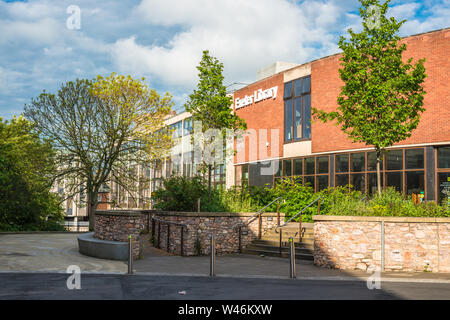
[[26, 166], [102, 129], [382, 97], [210, 104]]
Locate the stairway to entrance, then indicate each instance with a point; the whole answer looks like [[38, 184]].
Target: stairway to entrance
[[269, 244]]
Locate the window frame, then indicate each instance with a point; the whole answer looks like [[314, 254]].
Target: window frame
[[292, 99]]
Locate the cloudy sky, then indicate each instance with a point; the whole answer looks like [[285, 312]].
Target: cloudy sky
[[163, 39]]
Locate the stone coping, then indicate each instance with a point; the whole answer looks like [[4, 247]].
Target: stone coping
[[128, 213], [380, 219], [214, 214]]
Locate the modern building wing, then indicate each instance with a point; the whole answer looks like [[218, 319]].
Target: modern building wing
[[282, 137]]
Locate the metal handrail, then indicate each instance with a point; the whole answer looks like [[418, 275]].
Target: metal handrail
[[240, 224], [170, 222], [295, 216]]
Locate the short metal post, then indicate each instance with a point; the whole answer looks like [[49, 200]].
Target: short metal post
[[278, 212], [198, 205], [281, 239], [153, 232], [292, 259], [300, 229], [240, 240], [182, 241], [159, 234], [130, 255], [212, 266], [318, 207], [168, 237], [260, 226]]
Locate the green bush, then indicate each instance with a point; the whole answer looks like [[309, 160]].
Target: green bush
[[179, 193]]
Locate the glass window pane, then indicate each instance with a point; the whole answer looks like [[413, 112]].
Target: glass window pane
[[309, 180], [358, 182], [357, 162], [298, 168], [372, 162], [298, 118], [322, 182], [245, 174], [288, 120], [306, 85], [444, 189], [187, 126], [277, 167], [373, 182], [297, 87], [395, 179], [322, 164], [394, 160], [306, 101], [287, 168], [342, 163], [415, 182], [309, 166], [414, 158], [443, 154], [288, 89], [341, 179]]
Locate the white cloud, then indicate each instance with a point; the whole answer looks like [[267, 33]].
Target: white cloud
[[163, 40], [244, 35]]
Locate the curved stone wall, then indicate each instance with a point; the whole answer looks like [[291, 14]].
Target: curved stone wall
[[118, 225]]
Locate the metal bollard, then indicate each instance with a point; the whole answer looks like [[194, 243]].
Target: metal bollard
[[212, 266], [130, 255], [292, 259]]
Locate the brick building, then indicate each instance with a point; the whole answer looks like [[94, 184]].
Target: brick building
[[283, 141]]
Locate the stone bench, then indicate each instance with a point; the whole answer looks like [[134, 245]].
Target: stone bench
[[103, 249]]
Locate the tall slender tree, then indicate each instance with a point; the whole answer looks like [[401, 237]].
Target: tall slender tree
[[210, 104], [382, 97]]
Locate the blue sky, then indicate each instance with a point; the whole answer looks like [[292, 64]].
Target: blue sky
[[163, 40]]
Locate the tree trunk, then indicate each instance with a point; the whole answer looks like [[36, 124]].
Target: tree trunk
[[379, 172], [91, 206], [209, 182]]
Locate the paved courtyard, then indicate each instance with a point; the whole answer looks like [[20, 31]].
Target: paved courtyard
[[54, 252], [49, 252]]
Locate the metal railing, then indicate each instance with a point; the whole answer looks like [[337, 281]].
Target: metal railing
[[259, 214], [300, 220], [160, 221]]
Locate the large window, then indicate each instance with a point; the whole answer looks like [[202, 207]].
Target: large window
[[187, 126], [443, 175], [176, 127], [404, 170], [297, 110], [313, 171]]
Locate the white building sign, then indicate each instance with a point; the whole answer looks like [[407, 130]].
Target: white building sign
[[257, 96]]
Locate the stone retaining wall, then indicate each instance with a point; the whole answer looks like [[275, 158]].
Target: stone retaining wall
[[410, 244], [201, 225], [117, 225]]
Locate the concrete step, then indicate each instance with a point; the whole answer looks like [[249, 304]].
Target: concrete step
[[287, 235], [308, 245], [285, 239], [300, 250], [275, 253]]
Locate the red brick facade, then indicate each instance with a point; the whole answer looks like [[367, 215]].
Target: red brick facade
[[434, 125], [325, 87]]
